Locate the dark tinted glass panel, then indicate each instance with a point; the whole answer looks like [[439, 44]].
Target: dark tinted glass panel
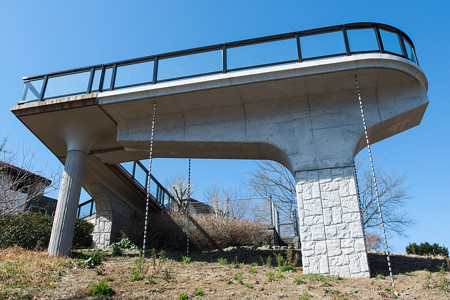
[[261, 54], [322, 44], [362, 40], [68, 84], [189, 65]]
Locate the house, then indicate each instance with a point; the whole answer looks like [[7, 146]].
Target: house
[[22, 190]]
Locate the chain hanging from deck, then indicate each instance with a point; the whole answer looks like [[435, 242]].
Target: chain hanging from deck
[[386, 248], [187, 209], [149, 174]]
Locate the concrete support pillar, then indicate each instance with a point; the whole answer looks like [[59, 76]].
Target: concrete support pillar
[[330, 223], [66, 209]]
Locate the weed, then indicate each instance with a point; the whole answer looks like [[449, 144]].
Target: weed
[[298, 280], [238, 277], [338, 294], [93, 260], [125, 242], [444, 283], [249, 285], [151, 280], [254, 264], [318, 277], [157, 261], [137, 276], [380, 276], [285, 268], [279, 275], [279, 259], [100, 271], [186, 260], [199, 292], [252, 271], [269, 261], [101, 289], [388, 289], [116, 250], [427, 280], [305, 296], [166, 274], [291, 259], [183, 296], [270, 276], [222, 261]]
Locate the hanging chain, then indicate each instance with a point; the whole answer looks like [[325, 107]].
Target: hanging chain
[[187, 209], [374, 180], [147, 203]]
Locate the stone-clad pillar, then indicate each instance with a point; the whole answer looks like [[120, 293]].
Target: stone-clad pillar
[[330, 223], [66, 209]]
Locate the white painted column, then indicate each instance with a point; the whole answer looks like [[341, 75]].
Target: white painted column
[[330, 223], [66, 209]]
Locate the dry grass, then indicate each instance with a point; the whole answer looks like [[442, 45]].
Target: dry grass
[[24, 273]]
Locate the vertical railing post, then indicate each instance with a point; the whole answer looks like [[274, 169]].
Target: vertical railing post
[[402, 44], [44, 86], [91, 80], [155, 70], [224, 59], [378, 36], [102, 79], [113, 77], [299, 48], [347, 45]]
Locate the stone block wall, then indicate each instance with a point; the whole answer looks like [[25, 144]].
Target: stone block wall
[[330, 223]]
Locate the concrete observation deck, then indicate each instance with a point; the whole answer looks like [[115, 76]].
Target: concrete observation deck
[[290, 98]]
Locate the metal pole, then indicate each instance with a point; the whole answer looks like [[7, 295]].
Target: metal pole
[[147, 203], [374, 179]]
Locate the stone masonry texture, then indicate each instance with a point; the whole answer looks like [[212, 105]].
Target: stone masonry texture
[[330, 223]]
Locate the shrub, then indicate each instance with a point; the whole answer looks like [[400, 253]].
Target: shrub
[[206, 231], [426, 249], [101, 289], [32, 231], [82, 237], [93, 260], [116, 250]]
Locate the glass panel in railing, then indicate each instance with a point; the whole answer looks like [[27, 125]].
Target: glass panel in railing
[[85, 210], [190, 65], [96, 80], [262, 54], [331, 43], [153, 188], [362, 40], [390, 42], [71, 84], [32, 90], [107, 79], [134, 74], [410, 51], [141, 176], [128, 166]]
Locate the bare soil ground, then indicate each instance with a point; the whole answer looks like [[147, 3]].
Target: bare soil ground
[[166, 277]]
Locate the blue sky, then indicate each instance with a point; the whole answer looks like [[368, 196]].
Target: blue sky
[[45, 36]]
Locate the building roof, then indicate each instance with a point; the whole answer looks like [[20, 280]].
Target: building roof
[[25, 177]]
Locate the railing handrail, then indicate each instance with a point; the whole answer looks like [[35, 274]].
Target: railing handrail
[[359, 25], [402, 37]]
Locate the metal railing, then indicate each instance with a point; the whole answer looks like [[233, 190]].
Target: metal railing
[[138, 172], [320, 43], [90, 205]]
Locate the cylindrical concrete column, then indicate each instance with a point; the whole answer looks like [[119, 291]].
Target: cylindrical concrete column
[[66, 209]]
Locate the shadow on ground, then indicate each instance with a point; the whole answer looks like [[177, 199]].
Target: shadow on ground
[[404, 263]]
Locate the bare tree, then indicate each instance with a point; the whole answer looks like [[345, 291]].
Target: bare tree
[[20, 189], [273, 180], [373, 241], [178, 186], [393, 197], [227, 203]]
